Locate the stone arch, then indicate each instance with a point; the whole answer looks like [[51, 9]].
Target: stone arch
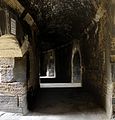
[[76, 65]]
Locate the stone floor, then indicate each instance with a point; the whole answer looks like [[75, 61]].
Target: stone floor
[[62, 104]]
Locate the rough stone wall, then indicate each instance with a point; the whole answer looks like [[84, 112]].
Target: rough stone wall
[[13, 97], [96, 56], [32, 73], [12, 86], [113, 52], [6, 69], [13, 94], [113, 79], [33, 69]]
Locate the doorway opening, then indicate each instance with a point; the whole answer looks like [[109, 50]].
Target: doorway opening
[[76, 67], [47, 65]]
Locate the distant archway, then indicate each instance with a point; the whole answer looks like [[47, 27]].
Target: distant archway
[[76, 66]]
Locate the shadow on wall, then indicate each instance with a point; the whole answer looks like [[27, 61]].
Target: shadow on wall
[[20, 69]]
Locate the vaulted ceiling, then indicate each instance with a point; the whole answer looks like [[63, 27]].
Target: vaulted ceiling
[[60, 21]]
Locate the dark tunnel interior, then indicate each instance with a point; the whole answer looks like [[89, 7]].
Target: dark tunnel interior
[[68, 28], [70, 42], [68, 58]]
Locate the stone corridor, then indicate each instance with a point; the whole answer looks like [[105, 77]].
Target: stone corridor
[[68, 44]]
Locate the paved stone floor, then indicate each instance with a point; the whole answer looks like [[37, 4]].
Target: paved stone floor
[[62, 104]]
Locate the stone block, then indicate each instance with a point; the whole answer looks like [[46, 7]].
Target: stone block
[[112, 58], [25, 110], [6, 69], [6, 62], [8, 101], [13, 97], [8, 98], [23, 100], [15, 88], [15, 104], [11, 109]]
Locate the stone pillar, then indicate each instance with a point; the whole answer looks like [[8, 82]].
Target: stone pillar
[[13, 93]]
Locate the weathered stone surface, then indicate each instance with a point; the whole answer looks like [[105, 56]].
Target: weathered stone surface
[[4, 98], [12, 103], [23, 100], [14, 88], [11, 109], [113, 44], [112, 58], [113, 72], [15, 5], [113, 89], [6, 69], [6, 62], [96, 56]]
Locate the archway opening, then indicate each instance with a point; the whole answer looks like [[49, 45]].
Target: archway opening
[[77, 72]]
